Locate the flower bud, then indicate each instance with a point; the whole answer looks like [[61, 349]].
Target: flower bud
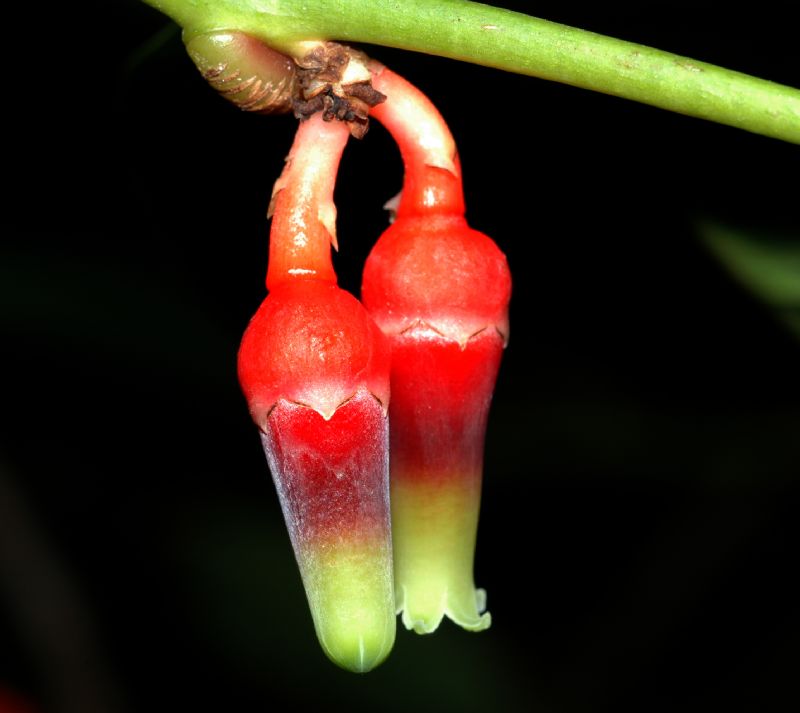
[[314, 369]]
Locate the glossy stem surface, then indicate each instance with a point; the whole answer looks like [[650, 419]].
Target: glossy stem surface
[[515, 42], [432, 181], [304, 215]]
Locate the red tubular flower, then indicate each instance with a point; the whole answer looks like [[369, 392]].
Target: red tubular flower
[[315, 371], [440, 291]]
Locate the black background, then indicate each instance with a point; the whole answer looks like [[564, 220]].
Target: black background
[[641, 483]]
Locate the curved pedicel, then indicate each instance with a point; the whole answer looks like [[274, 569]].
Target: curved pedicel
[[314, 368], [440, 291]]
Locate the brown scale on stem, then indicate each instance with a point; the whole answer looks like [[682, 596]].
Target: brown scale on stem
[[329, 78], [335, 80]]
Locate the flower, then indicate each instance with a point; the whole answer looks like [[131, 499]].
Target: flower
[[440, 291], [314, 369]]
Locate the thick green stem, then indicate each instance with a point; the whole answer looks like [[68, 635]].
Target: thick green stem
[[515, 42]]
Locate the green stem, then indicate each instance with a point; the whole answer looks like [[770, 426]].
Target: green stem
[[515, 42]]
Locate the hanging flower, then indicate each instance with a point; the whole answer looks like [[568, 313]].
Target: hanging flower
[[440, 291], [315, 371]]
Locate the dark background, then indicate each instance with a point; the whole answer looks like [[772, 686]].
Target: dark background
[[641, 489]]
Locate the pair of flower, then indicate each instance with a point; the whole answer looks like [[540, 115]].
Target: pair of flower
[[317, 368]]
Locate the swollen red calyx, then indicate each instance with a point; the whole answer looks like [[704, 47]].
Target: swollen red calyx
[[440, 291], [314, 369]]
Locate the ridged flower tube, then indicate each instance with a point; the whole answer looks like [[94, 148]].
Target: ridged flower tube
[[440, 291], [314, 369]]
